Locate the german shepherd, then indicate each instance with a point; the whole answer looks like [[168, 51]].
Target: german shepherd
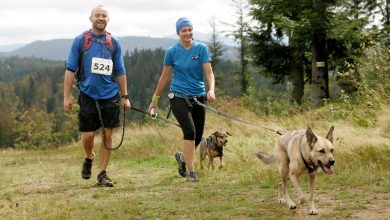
[[301, 152], [212, 146]]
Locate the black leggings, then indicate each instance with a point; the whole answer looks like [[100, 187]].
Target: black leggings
[[191, 119]]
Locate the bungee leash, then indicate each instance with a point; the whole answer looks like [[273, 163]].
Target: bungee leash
[[154, 115], [234, 118], [187, 98], [104, 132]]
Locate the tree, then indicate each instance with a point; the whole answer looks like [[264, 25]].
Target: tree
[[241, 34], [216, 50], [280, 41], [320, 35], [215, 45], [319, 24]]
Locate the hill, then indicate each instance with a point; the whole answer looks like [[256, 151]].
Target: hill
[[58, 49], [46, 184]]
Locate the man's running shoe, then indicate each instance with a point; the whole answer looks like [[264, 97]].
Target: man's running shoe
[[104, 180], [86, 170]]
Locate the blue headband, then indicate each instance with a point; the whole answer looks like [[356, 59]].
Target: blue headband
[[182, 22]]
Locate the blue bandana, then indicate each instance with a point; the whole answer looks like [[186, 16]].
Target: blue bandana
[[182, 22]]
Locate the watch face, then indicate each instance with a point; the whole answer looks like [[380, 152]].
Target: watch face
[[171, 95]]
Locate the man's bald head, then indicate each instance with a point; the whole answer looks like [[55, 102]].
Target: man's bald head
[[99, 19], [98, 8]]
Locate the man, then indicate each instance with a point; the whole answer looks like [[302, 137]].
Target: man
[[97, 58]]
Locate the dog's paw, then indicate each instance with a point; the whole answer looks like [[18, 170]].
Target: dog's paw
[[302, 200], [313, 210], [291, 205], [282, 201]]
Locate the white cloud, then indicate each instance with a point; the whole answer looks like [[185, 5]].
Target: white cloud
[[25, 21]]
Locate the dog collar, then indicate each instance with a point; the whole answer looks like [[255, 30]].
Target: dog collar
[[310, 168]]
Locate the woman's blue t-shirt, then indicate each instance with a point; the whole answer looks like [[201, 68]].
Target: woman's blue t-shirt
[[187, 64]]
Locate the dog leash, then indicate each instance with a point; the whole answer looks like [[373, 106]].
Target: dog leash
[[158, 117], [235, 118], [104, 132]]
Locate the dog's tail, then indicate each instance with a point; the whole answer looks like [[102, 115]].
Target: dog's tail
[[267, 159]]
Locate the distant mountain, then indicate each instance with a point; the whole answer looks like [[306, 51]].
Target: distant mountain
[[58, 49], [226, 41], [11, 47]]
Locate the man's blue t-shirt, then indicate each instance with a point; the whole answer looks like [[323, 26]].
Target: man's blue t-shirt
[[187, 64], [97, 86]]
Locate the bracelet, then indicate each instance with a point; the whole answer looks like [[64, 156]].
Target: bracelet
[[155, 98], [125, 96]]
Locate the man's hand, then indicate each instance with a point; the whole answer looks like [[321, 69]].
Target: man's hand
[[68, 104], [126, 105]]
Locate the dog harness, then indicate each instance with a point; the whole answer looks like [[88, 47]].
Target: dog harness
[[311, 168], [217, 148]]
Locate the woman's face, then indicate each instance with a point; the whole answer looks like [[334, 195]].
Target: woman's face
[[185, 34]]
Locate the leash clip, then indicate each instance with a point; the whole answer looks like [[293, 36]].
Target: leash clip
[[153, 113]]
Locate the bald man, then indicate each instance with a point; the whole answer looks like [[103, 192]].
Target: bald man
[[96, 59]]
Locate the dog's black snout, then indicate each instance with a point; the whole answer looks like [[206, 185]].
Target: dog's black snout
[[331, 162]]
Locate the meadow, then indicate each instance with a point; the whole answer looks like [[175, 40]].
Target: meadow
[[46, 184]]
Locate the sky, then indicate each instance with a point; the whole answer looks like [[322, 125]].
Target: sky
[[25, 21]]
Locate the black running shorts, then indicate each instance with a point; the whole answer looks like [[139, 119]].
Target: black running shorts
[[89, 117], [191, 119]]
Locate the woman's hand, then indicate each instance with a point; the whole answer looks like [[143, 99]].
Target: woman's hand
[[210, 96], [153, 105]]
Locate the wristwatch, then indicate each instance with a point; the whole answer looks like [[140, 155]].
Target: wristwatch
[[125, 96]]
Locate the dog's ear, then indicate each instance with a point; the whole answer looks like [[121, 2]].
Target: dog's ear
[[228, 133], [215, 133], [311, 137], [329, 136]]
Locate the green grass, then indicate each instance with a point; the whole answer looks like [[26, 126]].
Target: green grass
[[46, 184]]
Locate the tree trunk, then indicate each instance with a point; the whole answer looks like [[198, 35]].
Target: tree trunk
[[244, 79], [296, 74], [320, 80]]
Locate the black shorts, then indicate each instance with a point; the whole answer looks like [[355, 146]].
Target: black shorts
[[89, 117], [191, 119]]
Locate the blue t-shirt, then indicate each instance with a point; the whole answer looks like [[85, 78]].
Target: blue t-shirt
[[97, 86], [187, 67]]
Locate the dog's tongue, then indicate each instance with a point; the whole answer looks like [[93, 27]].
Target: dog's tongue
[[328, 170]]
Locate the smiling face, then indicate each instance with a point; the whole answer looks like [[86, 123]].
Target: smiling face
[[185, 35], [99, 19]]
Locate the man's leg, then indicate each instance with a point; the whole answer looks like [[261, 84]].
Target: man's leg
[[87, 140], [105, 154], [104, 159]]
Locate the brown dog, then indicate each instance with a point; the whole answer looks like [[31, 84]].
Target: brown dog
[[212, 146], [301, 152]]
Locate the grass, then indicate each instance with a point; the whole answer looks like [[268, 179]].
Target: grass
[[46, 184]]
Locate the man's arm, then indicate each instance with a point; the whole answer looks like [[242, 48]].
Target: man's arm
[[122, 83], [68, 81]]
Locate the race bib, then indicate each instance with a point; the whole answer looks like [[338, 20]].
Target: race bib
[[101, 66]]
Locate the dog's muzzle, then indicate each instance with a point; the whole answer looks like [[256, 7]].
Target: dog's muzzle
[[327, 168]]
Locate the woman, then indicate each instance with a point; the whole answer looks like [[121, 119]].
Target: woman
[[188, 61]]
